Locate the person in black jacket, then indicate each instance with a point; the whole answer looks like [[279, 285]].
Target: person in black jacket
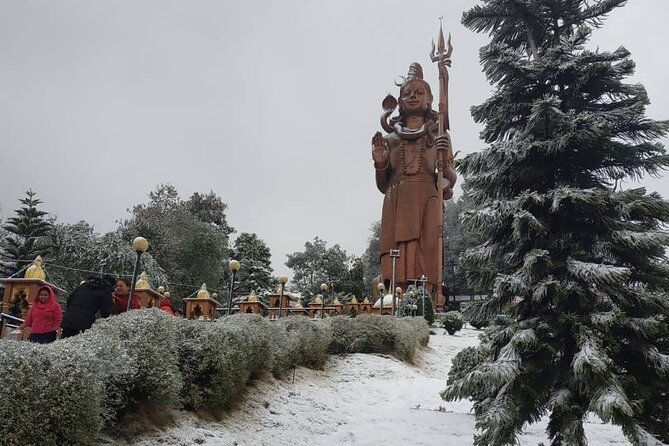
[[92, 295]]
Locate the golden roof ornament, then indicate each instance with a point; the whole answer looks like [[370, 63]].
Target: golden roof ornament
[[317, 300], [143, 282], [203, 293], [366, 301], [35, 271], [253, 297], [353, 301], [336, 301]]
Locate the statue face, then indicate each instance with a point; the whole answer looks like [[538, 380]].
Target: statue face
[[415, 98]]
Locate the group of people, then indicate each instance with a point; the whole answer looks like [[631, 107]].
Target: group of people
[[94, 297]]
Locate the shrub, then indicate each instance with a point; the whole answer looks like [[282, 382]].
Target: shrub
[[452, 322], [136, 359], [313, 340], [378, 334], [49, 393], [419, 327], [217, 359], [342, 334], [465, 361]]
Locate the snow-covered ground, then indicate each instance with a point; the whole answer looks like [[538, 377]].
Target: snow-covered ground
[[358, 399]]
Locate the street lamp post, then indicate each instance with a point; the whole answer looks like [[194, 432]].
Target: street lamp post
[[234, 267], [324, 289], [398, 295], [140, 245], [382, 291], [423, 279], [394, 254], [282, 281]]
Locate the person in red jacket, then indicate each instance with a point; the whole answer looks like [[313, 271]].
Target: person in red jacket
[[44, 317], [165, 304], [121, 296]]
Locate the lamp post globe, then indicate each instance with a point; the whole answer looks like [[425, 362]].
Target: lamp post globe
[[282, 280], [140, 245]]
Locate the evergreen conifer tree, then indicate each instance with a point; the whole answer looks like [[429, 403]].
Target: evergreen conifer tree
[[27, 230], [580, 261]]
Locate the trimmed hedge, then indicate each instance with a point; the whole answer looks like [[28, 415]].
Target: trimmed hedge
[[50, 395], [378, 334], [68, 391]]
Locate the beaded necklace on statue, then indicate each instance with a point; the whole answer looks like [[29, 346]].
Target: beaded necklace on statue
[[412, 168]]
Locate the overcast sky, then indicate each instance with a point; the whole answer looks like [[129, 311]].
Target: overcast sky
[[270, 104]]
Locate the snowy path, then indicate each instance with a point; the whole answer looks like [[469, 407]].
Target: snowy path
[[360, 400]]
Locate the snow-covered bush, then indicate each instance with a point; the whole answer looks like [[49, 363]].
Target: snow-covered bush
[[313, 338], [136, 358], [378, 334], [50, 395], [410, 334], [452, 322], [216, 360], [274, 350], [465, 362], [420, 328]]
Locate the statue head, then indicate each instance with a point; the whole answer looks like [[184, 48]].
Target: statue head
[[415, 96]]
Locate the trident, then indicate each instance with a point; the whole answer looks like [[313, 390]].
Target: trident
[[442, 55]]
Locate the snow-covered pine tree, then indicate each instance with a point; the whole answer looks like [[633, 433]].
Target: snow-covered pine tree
[[26, 239], [583, 261]]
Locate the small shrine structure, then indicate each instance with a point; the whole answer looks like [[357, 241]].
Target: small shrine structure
[[336, 307], [202, 306], [148, 297], [252, 305], [365, 307], [315, 307]]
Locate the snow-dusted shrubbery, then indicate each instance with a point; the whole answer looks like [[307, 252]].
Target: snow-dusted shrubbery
[[50, 393], [136, 359], [313, 338], [463, 363], [452, 322], [126, 366], [373, 333], [217, 359]]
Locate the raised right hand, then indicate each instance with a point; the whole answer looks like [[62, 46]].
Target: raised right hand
[[380, 152]]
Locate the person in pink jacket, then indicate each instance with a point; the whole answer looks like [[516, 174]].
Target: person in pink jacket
[[44, 317]]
